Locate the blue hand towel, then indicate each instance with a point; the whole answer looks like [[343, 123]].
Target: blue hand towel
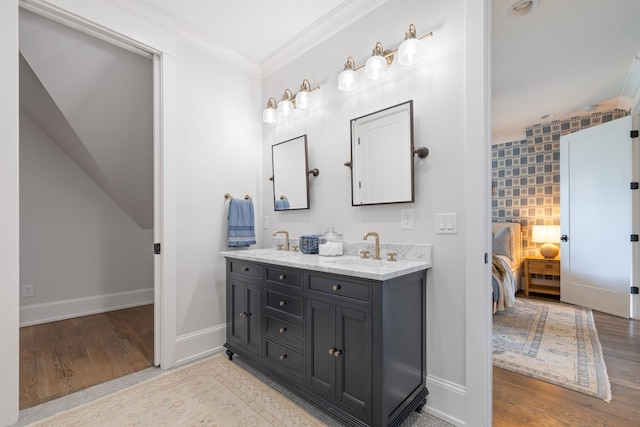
[[282, 204], [241, 229]]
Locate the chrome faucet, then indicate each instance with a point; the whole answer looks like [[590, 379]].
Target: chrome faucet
[[371, 233], [286, 233]]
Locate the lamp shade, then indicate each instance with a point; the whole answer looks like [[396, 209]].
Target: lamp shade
[[304, 100], [285, 107], [375, 68], [347, 80], [410, 52], [547, 234], [269, 115]]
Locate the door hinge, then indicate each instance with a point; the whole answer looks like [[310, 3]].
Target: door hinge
[[634, 185], [156, 248], [635, 290], [634, 237], [634, 133]]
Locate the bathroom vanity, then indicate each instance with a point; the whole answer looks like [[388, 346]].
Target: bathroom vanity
[[346, 333]]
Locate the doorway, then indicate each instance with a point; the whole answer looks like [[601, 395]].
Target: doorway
[[85, 232]]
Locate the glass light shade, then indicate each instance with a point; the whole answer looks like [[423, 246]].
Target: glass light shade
[[285, 107], [410, 52], [304, 100], [375, 67], [347, 80], [269, 115]]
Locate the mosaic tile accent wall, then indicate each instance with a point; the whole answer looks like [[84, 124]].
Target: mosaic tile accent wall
[[526, 175]]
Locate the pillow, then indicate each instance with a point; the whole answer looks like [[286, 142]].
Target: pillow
[[503, 243]]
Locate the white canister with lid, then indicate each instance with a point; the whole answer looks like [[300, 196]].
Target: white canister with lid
[[331, 243]]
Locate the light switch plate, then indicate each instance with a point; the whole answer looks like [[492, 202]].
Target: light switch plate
[[447, 223], [265, 222]]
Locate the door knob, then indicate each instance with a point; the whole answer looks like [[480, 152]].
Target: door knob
[[564, 238]]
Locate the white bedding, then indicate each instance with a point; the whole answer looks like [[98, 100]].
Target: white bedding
[[506, 284]]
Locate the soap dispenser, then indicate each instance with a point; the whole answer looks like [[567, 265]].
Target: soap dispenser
[[331, 243]]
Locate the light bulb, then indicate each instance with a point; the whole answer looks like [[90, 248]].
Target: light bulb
[[347, 80], [410, 52]]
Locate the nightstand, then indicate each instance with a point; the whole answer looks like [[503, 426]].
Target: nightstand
[[546, 266]]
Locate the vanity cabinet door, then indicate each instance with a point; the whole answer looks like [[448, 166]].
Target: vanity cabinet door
[[339, 352], [243, 318]]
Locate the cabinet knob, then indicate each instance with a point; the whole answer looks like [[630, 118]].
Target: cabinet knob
[[282, 276], [337, 353], [336, 287], [332, 351], [283, 303], [243, 315], [245, 268], [283, 330], [284, 356]]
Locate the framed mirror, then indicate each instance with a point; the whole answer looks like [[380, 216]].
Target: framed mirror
[[382, 156], [290, 177]]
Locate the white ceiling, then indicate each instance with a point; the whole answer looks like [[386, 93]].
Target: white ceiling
[[564, 55]]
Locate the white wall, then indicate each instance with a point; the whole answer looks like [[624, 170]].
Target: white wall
[[219, 126], [437, 87], [75, 241], [9, 218]]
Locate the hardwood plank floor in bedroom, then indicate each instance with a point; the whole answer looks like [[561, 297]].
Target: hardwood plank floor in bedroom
[[524, 401], [66, 356]]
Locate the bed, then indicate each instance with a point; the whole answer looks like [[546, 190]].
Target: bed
[[506, 263]]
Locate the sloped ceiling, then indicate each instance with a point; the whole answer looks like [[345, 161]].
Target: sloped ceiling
[[96, 101]]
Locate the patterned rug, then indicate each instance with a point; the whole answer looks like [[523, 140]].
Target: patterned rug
[[552, 342], [214, 392]]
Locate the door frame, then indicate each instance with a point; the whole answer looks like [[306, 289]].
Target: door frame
[[164, 169]]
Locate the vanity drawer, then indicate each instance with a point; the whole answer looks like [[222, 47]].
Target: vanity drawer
[[285, 276], [284, 358], [245, 268], [285, 330], [283, 303], [337, 286]]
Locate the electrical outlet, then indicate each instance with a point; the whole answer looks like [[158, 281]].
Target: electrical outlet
[[27, 291], [406, 219]]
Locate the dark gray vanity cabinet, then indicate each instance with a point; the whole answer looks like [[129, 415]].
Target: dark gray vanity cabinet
[[355, 347], [244, 306]]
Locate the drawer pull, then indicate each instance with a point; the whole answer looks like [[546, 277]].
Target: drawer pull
[[283, 303], [245, 269], [548, 266], [284, 356], [283, 330], [243, 315], [282, 276], [336, 287]]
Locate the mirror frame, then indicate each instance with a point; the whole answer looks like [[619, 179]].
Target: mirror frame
[[306, 174], [410, 151]]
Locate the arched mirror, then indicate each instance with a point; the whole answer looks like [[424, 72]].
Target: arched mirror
[[290, 177], [382, 156]]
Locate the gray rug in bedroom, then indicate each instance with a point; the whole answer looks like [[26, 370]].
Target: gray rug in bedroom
[[553, 342]]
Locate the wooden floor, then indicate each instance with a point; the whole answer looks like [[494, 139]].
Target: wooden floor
[[63, 357], [524, 401]]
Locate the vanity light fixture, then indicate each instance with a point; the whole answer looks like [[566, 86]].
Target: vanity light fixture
[[270, 113], [410, 50], [348, 78], [286, 107], [409, 53], [304, 99], [377, 64]]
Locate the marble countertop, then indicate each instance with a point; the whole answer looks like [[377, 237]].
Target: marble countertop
[[347, 265]]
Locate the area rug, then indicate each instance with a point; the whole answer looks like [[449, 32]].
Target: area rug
[[553, 342], [213, 392]]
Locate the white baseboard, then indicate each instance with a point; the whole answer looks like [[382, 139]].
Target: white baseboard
[[199, 344], [67, 309], [446, 400]]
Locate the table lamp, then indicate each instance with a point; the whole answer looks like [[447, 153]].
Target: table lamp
[[547, 234]]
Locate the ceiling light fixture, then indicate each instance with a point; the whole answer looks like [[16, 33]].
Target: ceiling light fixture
[[522, 7], [348, 78], [302, 100], [270, 113], [547, 116], [409, 53], [591, 107]]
